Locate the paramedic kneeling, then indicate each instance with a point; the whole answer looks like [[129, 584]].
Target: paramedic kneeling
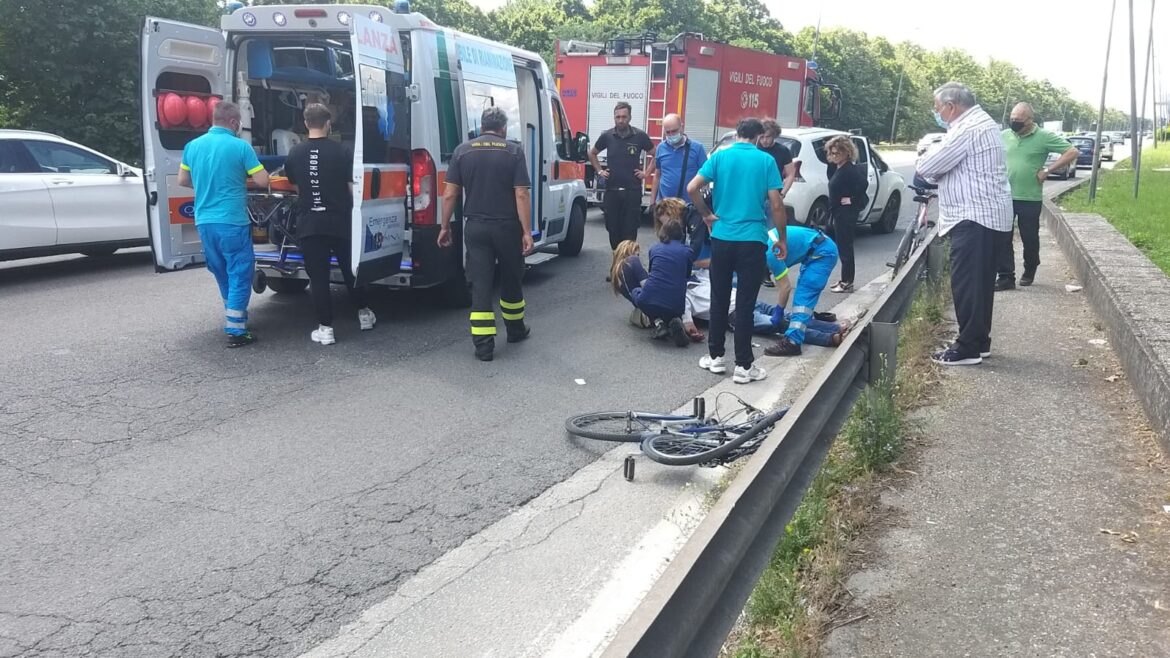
[[322, 170], [817, 256], [217, 165], [497, 227]]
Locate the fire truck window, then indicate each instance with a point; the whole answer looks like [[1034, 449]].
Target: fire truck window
[[385, 118], [481, 96]]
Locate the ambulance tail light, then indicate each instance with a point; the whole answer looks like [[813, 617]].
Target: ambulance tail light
[[423, 188]]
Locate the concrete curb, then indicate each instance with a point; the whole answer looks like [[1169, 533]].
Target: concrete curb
[[1130, 295]]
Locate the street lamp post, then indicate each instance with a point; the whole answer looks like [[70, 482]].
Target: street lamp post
[[897, 100], [1101, 111]]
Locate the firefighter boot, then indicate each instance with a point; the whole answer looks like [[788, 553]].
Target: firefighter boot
[[517, 330], [485, 346]]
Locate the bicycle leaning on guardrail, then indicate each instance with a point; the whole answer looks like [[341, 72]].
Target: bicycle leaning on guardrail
[[924, 193], [683, 440]]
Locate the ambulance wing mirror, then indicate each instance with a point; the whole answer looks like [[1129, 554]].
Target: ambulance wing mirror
[[580, 148]]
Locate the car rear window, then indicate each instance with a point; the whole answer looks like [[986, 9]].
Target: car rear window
[[1080, 141], [792, 145]]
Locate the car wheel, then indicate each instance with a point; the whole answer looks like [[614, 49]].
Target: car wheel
[[286, 286], [818, 214], [1072, 172], [571, 245], [99, 252], [889, 219]]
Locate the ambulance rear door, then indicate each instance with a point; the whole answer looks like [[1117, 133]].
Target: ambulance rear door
[[183, 68], [382, 153]]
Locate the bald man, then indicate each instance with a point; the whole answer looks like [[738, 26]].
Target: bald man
[[676, 161], [1027, 147]]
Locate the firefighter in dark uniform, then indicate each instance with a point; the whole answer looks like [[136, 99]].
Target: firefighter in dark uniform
[[497, 229]]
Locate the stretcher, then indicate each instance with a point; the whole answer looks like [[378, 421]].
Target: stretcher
[[273, 220]]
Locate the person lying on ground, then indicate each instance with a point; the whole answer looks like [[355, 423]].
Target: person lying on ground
[[660, 293]]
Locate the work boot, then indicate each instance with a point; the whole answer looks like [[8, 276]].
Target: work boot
[[485, 347], [517, 331], [1028, 277], [240, 340], [1004, 283]]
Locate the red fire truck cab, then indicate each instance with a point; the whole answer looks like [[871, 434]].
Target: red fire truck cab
[[711, 85]]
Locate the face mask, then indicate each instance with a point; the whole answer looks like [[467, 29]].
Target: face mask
[[1018, 126], [939, 120], [674, 139]]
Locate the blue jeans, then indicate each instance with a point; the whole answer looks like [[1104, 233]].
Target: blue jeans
[[814, 276], [228, 251], [816, 332]]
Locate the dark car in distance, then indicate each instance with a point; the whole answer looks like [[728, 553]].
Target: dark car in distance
[[1085, 145]]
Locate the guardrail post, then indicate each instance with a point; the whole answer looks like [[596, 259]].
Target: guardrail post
[[883, 350], [934, 262]]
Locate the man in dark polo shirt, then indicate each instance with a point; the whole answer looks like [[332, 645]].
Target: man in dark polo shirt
[[497, 213], [624, 146]]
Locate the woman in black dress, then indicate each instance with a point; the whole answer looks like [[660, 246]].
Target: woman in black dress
[[847, 198]]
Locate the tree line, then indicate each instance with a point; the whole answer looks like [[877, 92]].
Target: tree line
[[81, 80]]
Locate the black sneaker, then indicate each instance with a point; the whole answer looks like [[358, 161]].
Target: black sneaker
[[783, 347], [678, 333], [1005, 284], [1027, 278], [660, 330], [246, 338], [952, 357]]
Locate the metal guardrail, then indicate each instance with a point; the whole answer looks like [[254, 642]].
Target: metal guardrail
[[693, 606]]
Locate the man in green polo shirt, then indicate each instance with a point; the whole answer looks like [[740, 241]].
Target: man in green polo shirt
[[1028, 146], [218, 165]]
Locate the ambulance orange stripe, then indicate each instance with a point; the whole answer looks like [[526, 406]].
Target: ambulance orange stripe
[[391, 184]]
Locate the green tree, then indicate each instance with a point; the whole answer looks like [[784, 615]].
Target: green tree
[[83, 86]]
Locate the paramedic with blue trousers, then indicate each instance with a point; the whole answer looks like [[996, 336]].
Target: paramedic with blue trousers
[[817, 256], [749, 186], [217, 166], [497, 211]]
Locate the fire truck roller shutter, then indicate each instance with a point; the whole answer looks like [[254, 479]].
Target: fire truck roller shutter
[[702, 97], [788, 104]]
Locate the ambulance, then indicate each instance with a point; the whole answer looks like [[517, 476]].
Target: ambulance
[[711, 85], [404, 93]]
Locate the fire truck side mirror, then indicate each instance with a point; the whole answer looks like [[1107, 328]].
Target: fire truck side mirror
[[580, 148]]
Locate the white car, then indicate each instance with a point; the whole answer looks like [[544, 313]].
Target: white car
[[59, 197], [928, 140], [808, 200]]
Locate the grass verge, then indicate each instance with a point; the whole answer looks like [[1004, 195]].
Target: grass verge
[[1146, 221], [796, 602]]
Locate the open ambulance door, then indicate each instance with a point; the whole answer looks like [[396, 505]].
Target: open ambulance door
[[183, 68], [381, 153]]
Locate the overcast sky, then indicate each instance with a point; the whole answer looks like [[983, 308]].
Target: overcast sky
[[1061, 41]]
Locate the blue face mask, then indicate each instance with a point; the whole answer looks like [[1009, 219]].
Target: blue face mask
[[939, 120], [674, 139]]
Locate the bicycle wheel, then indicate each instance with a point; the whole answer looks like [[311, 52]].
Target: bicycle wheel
[[904, 247], [618, 425], [681, 449]]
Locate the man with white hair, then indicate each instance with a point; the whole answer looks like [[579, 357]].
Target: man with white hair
[[975, 209], [676, 161], [217, 165]]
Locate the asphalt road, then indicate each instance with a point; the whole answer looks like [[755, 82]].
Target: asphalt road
[[161, 495]]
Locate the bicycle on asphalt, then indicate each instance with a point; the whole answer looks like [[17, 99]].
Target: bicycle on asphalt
[[683, 440], [924, 193]]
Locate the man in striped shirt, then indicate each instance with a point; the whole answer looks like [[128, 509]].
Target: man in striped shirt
[[975, 206]]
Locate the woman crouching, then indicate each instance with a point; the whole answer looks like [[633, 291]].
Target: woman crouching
[[660, 293]]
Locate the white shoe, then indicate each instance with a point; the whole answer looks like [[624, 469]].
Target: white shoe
[[323, 335], [744, 376], [366, 319], [715, 364]]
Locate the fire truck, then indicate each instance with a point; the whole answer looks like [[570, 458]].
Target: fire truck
[[711, 85]]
